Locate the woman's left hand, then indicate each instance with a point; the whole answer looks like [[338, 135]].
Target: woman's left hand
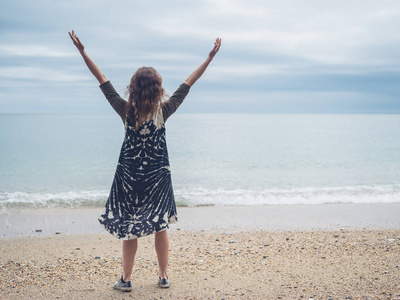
[[76, 41]]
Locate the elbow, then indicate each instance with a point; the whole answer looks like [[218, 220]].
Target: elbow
[[189, 82], [102, 78]]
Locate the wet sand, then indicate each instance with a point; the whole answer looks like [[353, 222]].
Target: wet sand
[[267, 217]]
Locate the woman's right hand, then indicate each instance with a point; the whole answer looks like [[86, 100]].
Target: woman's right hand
[[89, 62], [214, 51], [76, 41]]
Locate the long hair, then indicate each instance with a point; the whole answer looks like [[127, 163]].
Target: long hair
[[145, 95]]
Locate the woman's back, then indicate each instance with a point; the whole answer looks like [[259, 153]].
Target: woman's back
[[142, 186], [121, 106]]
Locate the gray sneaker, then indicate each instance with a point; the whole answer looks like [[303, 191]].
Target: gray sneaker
[[164, 283], [123, 286]]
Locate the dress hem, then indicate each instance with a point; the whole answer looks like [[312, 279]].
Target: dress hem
[[172, 220]]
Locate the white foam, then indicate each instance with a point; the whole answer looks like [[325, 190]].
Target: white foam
[[70, 199], [306, 195], [219, 196]]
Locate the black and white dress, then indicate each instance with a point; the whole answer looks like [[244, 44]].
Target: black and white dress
[[141, 199]]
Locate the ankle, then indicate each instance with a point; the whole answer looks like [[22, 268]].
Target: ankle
[[126, 278], [163, 275]]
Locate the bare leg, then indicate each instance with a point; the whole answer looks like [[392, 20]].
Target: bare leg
[[129, 248], [161, 243]]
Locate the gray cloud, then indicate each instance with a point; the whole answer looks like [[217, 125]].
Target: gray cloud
[[297, 53]]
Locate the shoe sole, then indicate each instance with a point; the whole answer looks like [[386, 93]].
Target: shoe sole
[[123, 289]]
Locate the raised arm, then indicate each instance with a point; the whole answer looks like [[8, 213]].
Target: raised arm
[[200, 70], [89, 62]]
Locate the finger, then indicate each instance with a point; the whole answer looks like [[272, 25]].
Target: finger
[[216, 43]]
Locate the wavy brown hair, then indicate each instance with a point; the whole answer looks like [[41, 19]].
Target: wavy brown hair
[[145, 95]]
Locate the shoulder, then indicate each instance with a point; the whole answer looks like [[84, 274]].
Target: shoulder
[[159, 117]]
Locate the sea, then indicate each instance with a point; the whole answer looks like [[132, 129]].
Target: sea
[[65, 160]]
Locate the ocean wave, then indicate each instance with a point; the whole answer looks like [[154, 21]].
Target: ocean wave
[[58, 199], [292, 196], [219, 197]]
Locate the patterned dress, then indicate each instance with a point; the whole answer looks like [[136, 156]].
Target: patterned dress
[[141, 199]]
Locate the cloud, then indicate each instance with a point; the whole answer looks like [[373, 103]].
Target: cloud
[[287, 101], [328, 32], [349, 47], [35, 51], [39, 74]]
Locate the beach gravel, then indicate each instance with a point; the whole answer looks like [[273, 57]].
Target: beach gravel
[[247, 264]]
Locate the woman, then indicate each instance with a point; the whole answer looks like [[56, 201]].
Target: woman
[[141, 201]]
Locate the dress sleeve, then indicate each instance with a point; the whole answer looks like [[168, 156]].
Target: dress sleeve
[[173, 103], [117, 103]]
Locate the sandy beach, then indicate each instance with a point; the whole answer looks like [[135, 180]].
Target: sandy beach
[[320, 257]]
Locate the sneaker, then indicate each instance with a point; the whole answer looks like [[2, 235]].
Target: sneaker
[[164, 283], [123, 286]]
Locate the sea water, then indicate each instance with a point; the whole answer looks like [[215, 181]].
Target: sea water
[[216, 159]]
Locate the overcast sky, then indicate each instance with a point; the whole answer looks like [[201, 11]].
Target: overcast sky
[[276, 56]]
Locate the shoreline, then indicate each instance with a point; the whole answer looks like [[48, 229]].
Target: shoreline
[[51, 221]]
